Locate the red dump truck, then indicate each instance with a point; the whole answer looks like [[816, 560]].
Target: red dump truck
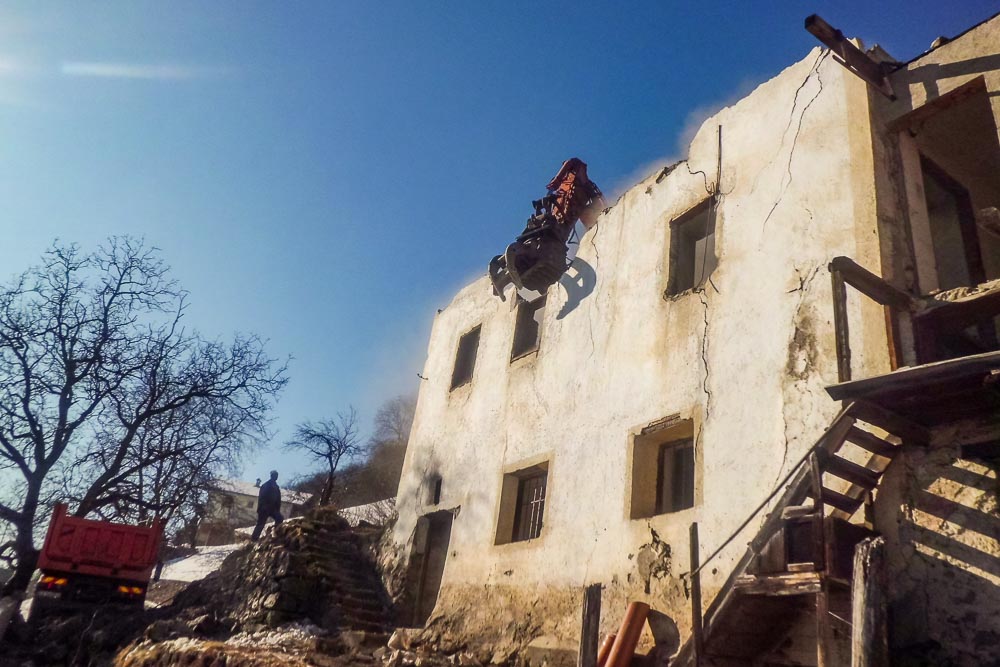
[[86, 562]]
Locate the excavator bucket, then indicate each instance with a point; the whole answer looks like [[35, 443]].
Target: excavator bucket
[[537, 257]]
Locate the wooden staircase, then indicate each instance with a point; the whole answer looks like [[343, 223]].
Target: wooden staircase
[[801, 558]]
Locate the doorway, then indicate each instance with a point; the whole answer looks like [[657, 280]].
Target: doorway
[[432, 541]]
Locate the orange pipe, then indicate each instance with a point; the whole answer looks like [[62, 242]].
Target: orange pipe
[[628, 635], [602, 653]]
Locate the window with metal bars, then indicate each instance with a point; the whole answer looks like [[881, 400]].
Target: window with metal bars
[[530, 510]]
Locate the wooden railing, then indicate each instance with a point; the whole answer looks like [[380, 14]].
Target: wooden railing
[[845, 271], [803, 482]]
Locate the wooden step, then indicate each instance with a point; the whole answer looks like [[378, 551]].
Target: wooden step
[[852, 472], [793, 583], [839, 500], [906, 429], [871, 442]]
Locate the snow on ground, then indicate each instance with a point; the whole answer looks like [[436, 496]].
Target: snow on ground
[[199, 565]]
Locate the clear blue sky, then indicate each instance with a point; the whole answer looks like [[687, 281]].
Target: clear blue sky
[[327, 174]]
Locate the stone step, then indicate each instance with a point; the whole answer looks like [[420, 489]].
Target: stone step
[[373, 604], [364, 617]]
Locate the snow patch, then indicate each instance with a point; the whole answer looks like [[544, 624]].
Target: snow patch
[[199, 565]]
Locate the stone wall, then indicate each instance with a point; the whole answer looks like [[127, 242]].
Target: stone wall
[[939, 510]]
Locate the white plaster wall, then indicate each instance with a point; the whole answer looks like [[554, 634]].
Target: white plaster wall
[[746, 359]]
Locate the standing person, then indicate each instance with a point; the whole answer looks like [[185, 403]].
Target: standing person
[[268, 504]]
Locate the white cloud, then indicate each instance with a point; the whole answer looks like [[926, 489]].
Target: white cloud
[[158, 72]]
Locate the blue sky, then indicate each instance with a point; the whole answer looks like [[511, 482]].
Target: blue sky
[[327, 174]]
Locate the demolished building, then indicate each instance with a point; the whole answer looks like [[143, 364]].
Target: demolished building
[[789, 339]]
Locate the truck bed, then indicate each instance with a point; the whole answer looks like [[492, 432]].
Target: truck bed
[[99, 548]]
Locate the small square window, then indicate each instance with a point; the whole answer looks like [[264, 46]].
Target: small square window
[[465, 359], [527, 327], [692, 249], [663, 468], [522, 504]]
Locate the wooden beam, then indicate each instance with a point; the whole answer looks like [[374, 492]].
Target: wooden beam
[[697, 630], [920, 115], [798, 583], [834, 437], [871, 442], [841, 325], [822, 626], [839, 500], [816, 475], [850, 56], [590, 632], [925, 377], [953, 316], [871, 285], [869, 641], [901, 427], [852, 472]]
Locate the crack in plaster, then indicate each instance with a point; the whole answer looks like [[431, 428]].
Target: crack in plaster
[[791, 153], [704, 355], [597, 264], [804, 284]]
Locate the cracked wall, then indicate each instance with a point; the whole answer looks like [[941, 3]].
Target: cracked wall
[[938, 510], [745, 358]]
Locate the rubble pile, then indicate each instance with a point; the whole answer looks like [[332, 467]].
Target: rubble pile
[[307, 593], [310, 568], [313, 569]]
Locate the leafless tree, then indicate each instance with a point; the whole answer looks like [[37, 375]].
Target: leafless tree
[[376, 476], [394, 420], [101, 387], [329, 441]]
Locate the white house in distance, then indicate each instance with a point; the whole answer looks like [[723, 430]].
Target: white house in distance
[[232, 504], [786, 338]]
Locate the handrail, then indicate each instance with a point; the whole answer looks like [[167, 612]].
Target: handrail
[[845, 271], [871, 285], [794, 490], [764, 534]]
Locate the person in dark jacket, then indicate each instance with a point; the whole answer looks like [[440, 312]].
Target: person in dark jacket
[[268, 505]]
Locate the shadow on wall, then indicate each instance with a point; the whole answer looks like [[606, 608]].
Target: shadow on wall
[[928, 75], [579, 282], [951, 612]]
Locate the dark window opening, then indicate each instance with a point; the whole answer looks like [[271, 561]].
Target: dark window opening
[[527, 327], [692, 249], [953, 228], [530, 507], [675, 477], [465, 359], [435, 490]]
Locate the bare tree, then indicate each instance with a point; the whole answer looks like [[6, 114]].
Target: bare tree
[[394, 420], [376, 476], [329, 441], [96, 378]]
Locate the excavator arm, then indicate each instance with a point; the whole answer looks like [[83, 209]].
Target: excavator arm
[[537, 257]]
